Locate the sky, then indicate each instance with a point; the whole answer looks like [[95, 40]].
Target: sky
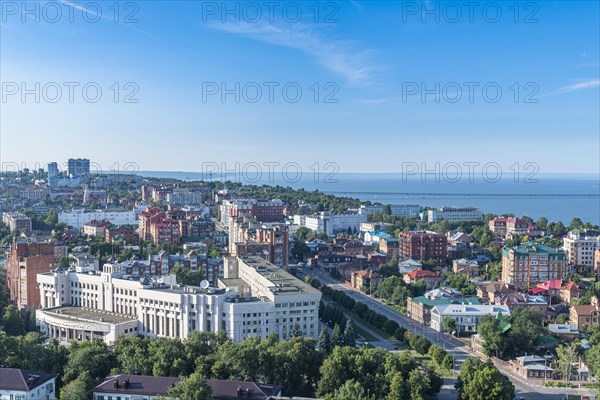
[[365, 86]]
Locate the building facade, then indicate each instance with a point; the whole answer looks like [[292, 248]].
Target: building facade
[[423, 246], [17, 221], [451, 214], [254, 299], [25, 260], [531, 263], [579, 249]]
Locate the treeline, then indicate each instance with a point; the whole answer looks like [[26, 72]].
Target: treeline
[[372, 317], [298, 364], [396, 291]]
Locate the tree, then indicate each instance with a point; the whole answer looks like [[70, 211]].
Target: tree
[[295, 331], [80, 388], [193, 387], [300, 249], [324, 342], [92, 357], [449, 324], [479, 380], [567, 355], [418, 385], [167, 357], [132, 356], [350, 390], [419, 344], [387, 210], [12, 321], [349, 334], [337, 339], [491, 333], [398, 388], [526, 326]]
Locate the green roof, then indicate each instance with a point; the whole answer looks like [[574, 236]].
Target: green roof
[[530, 247]]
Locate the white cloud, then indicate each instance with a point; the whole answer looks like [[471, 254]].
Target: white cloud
[[341, 57], [594, 83]]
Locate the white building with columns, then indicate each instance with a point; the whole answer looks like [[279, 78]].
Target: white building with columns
[[256, 298]]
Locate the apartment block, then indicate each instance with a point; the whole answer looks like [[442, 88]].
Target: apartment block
[[450, 214], [502, 226], [26, 259], [17, 221], [77, 218], [579, 249], [399, 210], [532, 263], [423, 245]]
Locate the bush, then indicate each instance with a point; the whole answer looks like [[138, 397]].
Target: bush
[[448, 362], [419, 344], [400, 334], [390, 327]]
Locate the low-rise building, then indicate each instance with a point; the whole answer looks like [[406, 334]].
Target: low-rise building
[[494, 290], [409, 265], [584, 316], [140, 387], [465, 267], [431, 278], [22, 384], [95, 228], [531, 367], [522, 300], [419, 308], [365, 280], [564, 331], [467, 316]]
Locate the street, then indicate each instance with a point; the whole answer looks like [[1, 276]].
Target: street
[[529, 391]]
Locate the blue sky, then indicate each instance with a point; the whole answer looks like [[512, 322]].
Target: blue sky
[[374, 58]]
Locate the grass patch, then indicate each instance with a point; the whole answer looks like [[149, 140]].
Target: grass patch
[[365, 334], [426, 360]]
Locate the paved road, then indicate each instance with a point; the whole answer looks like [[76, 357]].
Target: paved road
[[454, 347]]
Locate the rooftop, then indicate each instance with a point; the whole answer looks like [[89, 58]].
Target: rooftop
[[283, 282], [84, 314], [22, 379]]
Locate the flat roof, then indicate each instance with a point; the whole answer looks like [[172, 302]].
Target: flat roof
[[87, 315], [282, 281]]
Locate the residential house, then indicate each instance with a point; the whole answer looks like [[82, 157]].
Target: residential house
[[531, 367], [564, 331], [151, 387], [585, 315], [493, 290], [409, 265], [365, 280], [522, 300], [431, 278], [22, 384], [465, 267]]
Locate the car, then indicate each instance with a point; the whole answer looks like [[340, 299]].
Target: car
[[520, 398]]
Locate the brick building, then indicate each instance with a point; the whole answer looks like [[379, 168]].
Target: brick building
[[25, 260], [423, 245]]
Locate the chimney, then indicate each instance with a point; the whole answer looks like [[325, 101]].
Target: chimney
[[239, 391], [126, 383], [116, 384]]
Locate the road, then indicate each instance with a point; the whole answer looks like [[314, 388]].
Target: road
[[458, 350]]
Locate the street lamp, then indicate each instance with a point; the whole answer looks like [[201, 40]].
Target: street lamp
[[545, 362]]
